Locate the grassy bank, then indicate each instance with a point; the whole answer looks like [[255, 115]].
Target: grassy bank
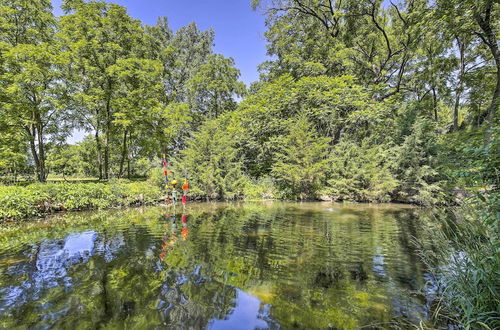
[[464, 256], [38, 199], [464, 252]]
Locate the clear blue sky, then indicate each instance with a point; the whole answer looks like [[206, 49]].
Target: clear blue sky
[[239, 31]]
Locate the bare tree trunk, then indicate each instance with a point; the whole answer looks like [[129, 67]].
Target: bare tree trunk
[[459, 88], [489, 38], [99, 151], [124, 153]]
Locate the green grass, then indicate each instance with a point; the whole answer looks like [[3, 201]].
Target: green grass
[[464, 255]]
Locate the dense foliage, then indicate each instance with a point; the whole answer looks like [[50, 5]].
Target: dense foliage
[[353, 105], [137, 90], [38, 199]]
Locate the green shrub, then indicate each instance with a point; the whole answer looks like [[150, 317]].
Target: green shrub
[[260, 189], [360, 173], [21, 202], [465, 247], [37, 199], [156, 177], [141, 192]]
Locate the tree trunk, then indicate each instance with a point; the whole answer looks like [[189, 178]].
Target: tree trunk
[[42, 173], [99, 151], [107, 133], [489, 38], [106, 154], [124, 153], [434, 103], [37, 146], [34, 152], [459, 88]]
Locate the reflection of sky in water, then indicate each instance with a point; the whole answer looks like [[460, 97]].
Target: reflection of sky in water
[[109, 247], [52, 261], [245, 314], [378, 263], [78, 244]]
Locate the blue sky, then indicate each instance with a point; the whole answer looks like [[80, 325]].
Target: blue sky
[[239, 31]]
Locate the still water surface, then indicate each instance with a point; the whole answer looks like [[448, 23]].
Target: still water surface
[[217, 266]]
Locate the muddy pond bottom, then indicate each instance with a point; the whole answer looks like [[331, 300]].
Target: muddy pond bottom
[[216, 266]]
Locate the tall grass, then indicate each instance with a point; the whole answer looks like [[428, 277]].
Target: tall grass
[[463, 253]]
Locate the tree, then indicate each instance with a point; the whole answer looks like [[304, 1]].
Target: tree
[[301, 162], [65, 159], [13, 148], [360, 172], [215, 168], [477, 19], [181, 53], [137, 100], [416, 168], [355, 37], [98, 34], [213, 87], [334, 106], [32, 81]]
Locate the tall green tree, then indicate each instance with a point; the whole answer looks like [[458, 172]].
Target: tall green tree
[[477, 19], [213, 161], [363, 38], [137, 102], [213, 88], [32, 87], [181, 53], [98, 34], [301, 160], [64, 159]]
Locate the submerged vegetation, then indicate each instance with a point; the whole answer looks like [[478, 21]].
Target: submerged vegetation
[[361, 100]]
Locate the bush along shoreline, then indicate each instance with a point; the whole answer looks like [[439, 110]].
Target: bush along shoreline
[[41, 199], [35, 200]]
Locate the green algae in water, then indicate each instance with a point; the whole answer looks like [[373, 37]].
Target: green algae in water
[[219, 266]]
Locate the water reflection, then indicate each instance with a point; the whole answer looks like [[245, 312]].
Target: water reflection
[[248, 313], [215, 266]]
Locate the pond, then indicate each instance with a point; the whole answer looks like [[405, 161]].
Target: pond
[[215, 265]]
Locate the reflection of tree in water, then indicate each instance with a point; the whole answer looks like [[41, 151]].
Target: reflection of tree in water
[[189, 300], [357, 259], [306, 268]]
